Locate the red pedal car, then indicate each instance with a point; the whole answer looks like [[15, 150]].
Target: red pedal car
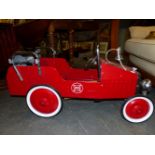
[[45, 81]]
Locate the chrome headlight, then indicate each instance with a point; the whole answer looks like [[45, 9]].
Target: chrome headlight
[[146, 84]]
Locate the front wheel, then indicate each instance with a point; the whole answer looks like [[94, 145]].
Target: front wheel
[[138, 109], [44, 101]]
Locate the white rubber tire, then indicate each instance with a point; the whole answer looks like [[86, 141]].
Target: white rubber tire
[[142, 119], [35, 111]]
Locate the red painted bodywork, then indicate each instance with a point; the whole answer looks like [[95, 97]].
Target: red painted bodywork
[[115, 83]]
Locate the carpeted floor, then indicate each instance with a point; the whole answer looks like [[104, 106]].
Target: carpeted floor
[[78, 117]]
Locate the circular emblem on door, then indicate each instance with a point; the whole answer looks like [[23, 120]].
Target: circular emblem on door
[[77, 88]]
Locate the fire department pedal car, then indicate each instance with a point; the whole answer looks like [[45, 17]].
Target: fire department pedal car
[[45, 81]]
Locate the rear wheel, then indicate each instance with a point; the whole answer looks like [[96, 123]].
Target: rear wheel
[[44, 101], [138, 109]]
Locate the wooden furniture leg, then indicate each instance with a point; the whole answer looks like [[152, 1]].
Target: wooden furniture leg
[[51, 38], [71, 44]]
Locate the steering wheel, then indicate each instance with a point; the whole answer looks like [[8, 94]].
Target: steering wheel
[[95, 61], [91, 61]]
